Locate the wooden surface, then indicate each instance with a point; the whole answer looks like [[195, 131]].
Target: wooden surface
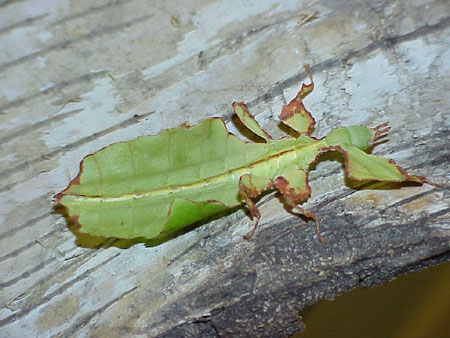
[[77, 76]]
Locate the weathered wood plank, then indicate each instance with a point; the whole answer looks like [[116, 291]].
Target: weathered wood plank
[[78, 76]]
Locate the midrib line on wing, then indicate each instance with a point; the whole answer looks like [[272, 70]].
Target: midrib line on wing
[[174, 190]]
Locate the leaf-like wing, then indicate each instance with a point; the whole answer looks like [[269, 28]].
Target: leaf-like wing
[[126, 190], [176, 156]]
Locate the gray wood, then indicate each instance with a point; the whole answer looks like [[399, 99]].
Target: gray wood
[[77, 76]]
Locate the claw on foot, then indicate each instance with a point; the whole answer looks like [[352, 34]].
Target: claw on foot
[[380, 130]]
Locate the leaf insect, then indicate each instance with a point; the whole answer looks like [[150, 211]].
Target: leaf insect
[[154, 185]]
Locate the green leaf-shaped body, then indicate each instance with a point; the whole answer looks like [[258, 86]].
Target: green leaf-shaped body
[[129, 188], [155, 185]]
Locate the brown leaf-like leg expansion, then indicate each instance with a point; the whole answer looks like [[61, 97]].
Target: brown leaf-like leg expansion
[[251, 186], [294, 187], [362, 166], [294, 114]]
